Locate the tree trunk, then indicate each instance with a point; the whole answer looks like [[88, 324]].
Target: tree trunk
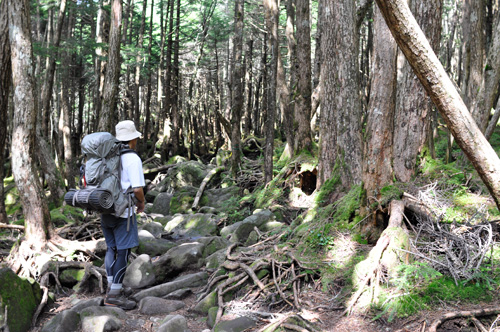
[[138, 64], [249, 83], [491, 82], [50, 70], [412, 41], [380, 124], [174, 102], [286, 104], [113, 69], [340, 126], [473, 50], [237, 84], [271, 10], [149, 85], [303, 138], [5, 81], [100, 63], [413, 108], [35, 208]]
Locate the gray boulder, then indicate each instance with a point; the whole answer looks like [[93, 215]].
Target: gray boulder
[[174, 323], [216, 198], [189, 173], [97, 319], [191, 225], [184, 256], [239, 232], [145, 234], [186, 281], [180, 294], [235, 325], [151, 195], [140, 273], [154, 247], [12, 289], [79, 305], [155, 228], [161, 203], [213, 244], [216, 259], [154, 305], [65, 321]]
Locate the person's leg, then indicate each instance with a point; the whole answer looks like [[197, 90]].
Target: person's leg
[[119, 268], [109, 263]]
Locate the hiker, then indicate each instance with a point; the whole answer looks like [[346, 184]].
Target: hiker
[[120, 232]]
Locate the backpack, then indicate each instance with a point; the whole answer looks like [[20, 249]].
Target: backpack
[[100, 176]]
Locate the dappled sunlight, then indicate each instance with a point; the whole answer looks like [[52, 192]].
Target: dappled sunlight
[[343, 250]]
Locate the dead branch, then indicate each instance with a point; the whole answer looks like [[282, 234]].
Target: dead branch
[[204, 183], [8, 226], [466, 313], [158, 169]]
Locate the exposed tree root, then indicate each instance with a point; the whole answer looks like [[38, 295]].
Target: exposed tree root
[[458, 314], [379, 259], [282, 285]]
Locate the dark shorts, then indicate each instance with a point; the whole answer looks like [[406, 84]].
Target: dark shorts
[[115, 232]]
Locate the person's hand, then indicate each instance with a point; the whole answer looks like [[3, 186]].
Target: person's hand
[[140, 206]]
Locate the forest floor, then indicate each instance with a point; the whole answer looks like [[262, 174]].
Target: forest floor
[[326, 320]]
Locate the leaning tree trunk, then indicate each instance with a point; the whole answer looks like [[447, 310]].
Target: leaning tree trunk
[[113, 69], [35, 208], [377, 170], [237, 93], [412, 41], [413, 107], [340, 126], [5, 81], [138, 65]]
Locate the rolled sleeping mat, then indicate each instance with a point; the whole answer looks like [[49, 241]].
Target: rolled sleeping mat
[[95, 199]]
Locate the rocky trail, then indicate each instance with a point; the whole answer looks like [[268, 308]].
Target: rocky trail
[[203, 264]]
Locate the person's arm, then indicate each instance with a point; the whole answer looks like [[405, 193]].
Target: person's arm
[[141, 200]]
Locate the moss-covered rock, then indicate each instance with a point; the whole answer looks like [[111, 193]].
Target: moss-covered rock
[[192, 225], [17, 294], [189, 173], [182, 200], [204, 305], [70, 277], [66, 215]]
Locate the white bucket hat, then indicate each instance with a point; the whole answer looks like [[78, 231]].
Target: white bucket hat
[[125, 131]]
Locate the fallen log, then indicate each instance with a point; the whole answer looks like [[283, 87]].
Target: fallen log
[[204, 183]]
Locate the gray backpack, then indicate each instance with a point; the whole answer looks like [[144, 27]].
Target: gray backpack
[[101, 188]]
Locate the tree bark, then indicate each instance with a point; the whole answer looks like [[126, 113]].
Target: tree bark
[[491, 82], [35, 208], [50, 70], [110, 91], [237, 84], [473, 50], [5, 81], [271, 10], [303, 138], [138, 64], [381, 108], [413, 107], [412, 41], [340, 126]]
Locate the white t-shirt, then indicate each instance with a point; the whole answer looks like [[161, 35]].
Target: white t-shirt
[[131, 176]]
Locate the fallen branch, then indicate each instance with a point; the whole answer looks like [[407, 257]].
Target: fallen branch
[[158, 169], [466, 313], [11, 226], [204, 183]]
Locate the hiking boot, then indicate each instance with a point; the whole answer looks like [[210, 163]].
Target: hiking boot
[[120, 301]]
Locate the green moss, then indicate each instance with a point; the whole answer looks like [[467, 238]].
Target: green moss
[[17, 294], [181, 203]]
